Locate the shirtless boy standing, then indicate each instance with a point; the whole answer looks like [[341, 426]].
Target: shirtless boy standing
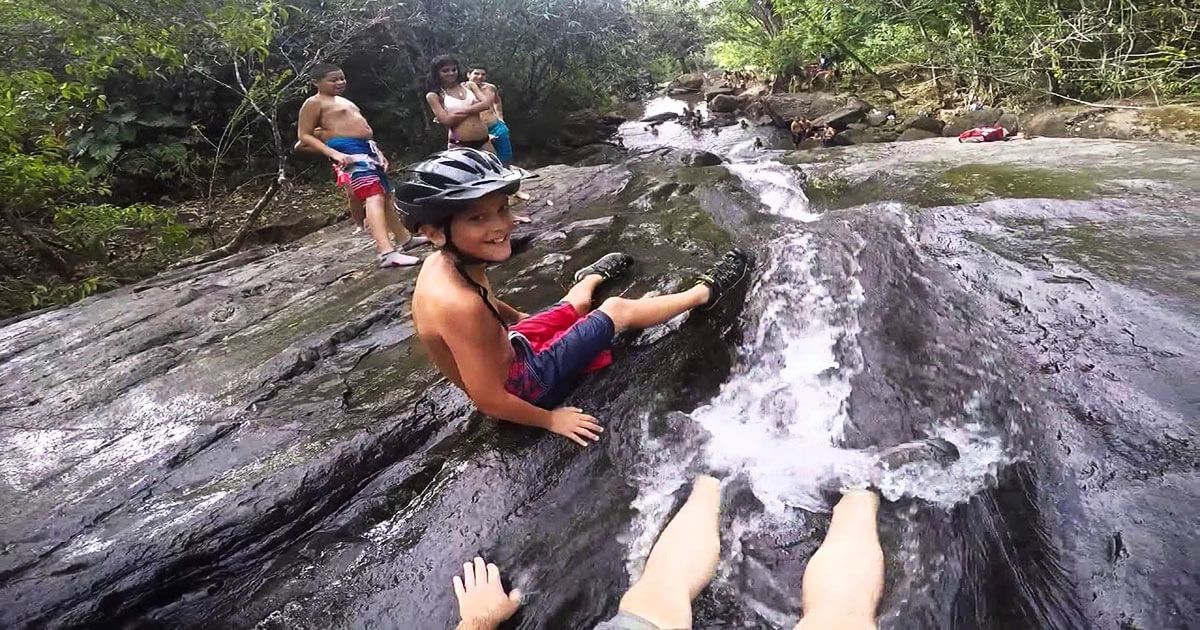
[[494, 117], [356, 158], [514, 366]]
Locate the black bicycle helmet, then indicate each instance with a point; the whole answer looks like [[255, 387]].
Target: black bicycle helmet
[[444, 182]]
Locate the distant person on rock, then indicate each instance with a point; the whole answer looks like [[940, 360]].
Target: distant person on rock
[[514, 366], [458, 104], [840, 590], [494, 117], [347, 140], [800, 128]]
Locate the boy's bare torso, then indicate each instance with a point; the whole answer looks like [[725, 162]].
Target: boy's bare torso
[[488, 116], [441, 290], [340, 117]]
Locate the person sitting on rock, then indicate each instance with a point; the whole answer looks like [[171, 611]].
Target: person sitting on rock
[[825, 134], [841, 588], [513, 366]]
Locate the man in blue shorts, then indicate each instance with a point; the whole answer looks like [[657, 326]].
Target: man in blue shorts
[[493, 117], [514, 366]]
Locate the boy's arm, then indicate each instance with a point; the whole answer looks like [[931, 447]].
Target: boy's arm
[[498, 101], [310, 115], [482, 358], [485, 98], [509, 312]]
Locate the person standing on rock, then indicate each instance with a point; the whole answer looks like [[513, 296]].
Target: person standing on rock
[[514, 366], [458, 104], [348, 141], [494, 117]]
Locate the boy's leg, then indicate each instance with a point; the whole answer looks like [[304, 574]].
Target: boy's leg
[[358, 211], [580, 295], [394, 225], [650, 311], [725, 274], [682, 561], [377, 222], [844, 579]]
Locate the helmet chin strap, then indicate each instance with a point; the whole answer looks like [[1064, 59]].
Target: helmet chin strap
[[461, 261]]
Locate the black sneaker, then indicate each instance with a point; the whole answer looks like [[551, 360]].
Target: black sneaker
[[931, 449], [726, 274], [608, 267]]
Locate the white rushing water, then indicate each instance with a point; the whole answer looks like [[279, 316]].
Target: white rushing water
[[779, 418]]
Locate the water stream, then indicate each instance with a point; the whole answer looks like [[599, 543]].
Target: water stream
[[258, 443]]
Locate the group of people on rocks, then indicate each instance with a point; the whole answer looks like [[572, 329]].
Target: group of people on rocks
[[470, 108], [804, 129], [521, 368]]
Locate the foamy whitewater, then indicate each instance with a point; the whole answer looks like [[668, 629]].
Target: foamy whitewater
[[779, 418]]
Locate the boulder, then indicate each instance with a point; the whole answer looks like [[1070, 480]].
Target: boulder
[[969, 120], [724, 103], [596, 154], [840, 140], [855, 110], [857, 126], [868, 135], [782, 108], [721, 119], [758, 90], [926, 123], [1009, 122], [687, 83], [662, 117], [913, 133], [719, 90], [588, 127], [701, 158], [877, 118]]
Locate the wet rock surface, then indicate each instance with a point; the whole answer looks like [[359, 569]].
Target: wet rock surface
[[257, 441]]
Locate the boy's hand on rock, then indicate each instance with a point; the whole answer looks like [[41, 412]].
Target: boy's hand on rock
[[573, 424], [482, 602]]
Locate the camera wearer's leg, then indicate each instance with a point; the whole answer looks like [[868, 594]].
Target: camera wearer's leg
[[682, 562], [844, 579]]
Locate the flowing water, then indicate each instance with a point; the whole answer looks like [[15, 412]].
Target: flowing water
[[257, 443]]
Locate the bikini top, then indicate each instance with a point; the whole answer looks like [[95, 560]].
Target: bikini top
[[456, 105]]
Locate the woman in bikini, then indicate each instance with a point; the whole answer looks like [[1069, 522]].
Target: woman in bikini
[[456, 103]]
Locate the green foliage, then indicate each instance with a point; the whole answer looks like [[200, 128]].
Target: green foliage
[[58, 294], [95, 230], [107, 105], [1089, 48]]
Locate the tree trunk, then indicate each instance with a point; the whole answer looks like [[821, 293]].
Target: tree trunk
[[52, 258]]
